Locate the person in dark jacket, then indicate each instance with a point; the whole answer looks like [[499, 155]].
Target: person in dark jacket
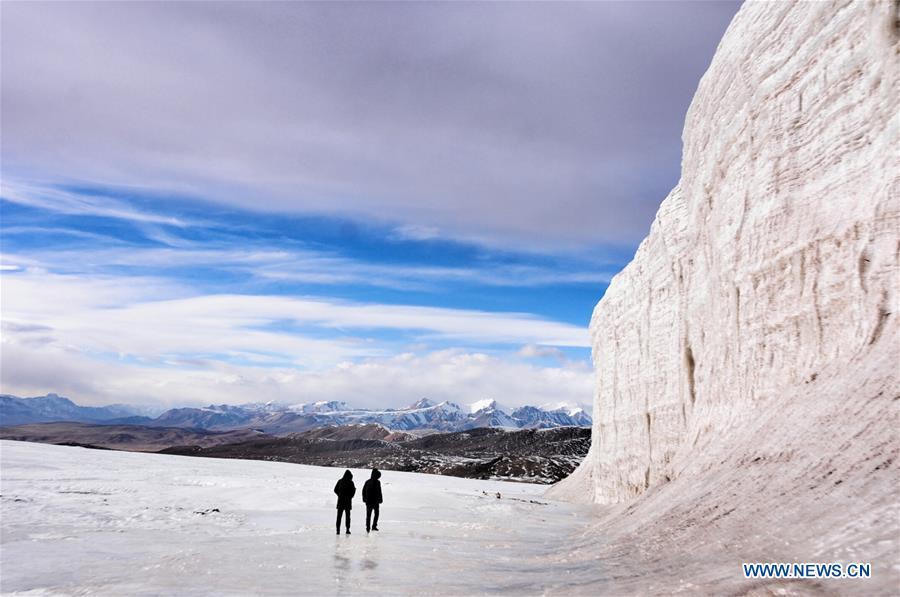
[[345, 490], [372, 498]]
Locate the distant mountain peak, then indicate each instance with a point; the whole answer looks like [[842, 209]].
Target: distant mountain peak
[[52, 397], [421, 403], [272, 417], [322, 406], [567, 407], [485, 405], [53, 407]]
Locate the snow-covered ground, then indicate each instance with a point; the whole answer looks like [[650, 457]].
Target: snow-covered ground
[[75, 521], [79, 521]]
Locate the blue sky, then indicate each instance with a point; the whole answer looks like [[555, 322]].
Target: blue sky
[[294, 202]]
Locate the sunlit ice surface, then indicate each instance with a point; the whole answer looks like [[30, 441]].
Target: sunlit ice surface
[[81, 521]]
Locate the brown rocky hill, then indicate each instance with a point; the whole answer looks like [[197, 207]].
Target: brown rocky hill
[[136, 438], [539, 456]]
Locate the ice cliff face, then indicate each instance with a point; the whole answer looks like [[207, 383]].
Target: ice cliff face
[[753, 341]]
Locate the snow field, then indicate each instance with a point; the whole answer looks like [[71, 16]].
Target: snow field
[[79, 521]]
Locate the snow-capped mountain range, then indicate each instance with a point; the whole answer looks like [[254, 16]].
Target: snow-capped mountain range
[[277, 418], [49, 408]]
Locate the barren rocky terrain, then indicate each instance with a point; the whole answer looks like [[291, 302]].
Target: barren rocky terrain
[[538, 456], [135, 438]]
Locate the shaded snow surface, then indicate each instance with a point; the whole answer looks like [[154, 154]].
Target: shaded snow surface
[[80, 521]]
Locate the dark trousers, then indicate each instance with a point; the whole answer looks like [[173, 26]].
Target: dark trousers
[[338, 524], [369, 509]]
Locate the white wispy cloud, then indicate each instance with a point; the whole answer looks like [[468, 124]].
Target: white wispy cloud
[[416, 232], [533, 351], [142, 338], [309, 266], [56, 199], [455, 375], [151, 318]]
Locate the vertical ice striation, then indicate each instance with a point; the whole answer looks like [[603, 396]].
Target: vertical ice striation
[[754, 336]]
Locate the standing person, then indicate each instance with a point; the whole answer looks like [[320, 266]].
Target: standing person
[[345, 490], [372, 498]]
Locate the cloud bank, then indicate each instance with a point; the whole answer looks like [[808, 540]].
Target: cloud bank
[[372, 202], [109, 341], [533, 124]]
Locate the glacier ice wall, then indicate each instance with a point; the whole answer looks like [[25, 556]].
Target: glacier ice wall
[[757, 323]]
